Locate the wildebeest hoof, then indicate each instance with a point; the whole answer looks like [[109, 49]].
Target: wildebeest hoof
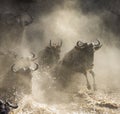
[[89, 87]]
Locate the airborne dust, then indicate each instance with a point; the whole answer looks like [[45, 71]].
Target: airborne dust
[[69, 21]]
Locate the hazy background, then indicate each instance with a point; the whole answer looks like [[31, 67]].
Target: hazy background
[[69, 20]]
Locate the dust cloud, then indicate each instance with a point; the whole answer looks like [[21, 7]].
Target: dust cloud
[[67, 22]]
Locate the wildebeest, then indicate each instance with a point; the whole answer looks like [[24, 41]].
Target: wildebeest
[[19, 77], [80, 59], [11, 18], [50, 55], [14, 24]]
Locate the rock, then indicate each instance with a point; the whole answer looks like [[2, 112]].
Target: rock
[[108, 105]]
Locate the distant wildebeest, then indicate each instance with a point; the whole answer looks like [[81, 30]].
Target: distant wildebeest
[[19, 77], [80, 59], [14, 24], [7, 58], [50, 55], [11, 18]]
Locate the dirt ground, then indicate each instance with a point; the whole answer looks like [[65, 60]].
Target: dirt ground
[[83, 102]]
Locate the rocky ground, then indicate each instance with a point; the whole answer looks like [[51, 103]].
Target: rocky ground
[[70, 101], [82, 102]]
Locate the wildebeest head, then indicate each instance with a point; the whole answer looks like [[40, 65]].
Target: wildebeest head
[[25, 64], [53, 52], [23, 19], [87, 51], [55, 47], [88, 47]]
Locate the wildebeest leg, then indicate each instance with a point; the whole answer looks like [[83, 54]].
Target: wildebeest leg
[[93, 75], [88, 84]]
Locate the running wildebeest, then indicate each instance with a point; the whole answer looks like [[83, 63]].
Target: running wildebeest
[[80, 59], [50, 55], [19, 77]]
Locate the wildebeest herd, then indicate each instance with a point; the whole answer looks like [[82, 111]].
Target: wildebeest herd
[[19, 74]]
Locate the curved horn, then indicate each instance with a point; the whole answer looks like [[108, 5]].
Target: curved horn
[[97, 46], [37, 66], [12, 68], [98, 43], [79, 43], [33, 55], [50, 43]]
